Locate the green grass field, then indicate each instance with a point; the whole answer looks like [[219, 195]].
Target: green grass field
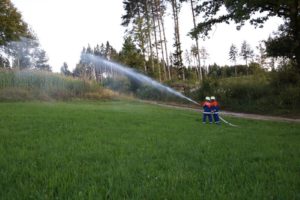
[[130, 150]]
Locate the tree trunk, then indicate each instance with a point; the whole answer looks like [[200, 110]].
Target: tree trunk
[[141, 37], [165, 45], [177, 37], [158, 11], [155, 38], [294, 23], [149, 34], [235, 69], [197, 42]]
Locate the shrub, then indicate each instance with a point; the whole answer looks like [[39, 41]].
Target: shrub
[[259, 93], [120, 84], [34, 84]]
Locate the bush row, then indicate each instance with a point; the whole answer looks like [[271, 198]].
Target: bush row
[[140, 90], [264, 93], [35, 84]]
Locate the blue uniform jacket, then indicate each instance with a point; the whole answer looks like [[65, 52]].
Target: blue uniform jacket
[[215, 106], [206, 106]]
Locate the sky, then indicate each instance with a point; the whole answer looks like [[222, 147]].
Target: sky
[[64, 27]]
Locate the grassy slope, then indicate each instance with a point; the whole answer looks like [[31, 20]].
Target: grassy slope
[[116, 150]]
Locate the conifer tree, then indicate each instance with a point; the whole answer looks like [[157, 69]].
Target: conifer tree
[[233, 53], [261, 58], [42, 61], [246, 52], [177, 44], [130, 55], [65, 69]]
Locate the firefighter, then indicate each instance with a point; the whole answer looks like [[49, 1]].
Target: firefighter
[[215, 109], [206, 110]]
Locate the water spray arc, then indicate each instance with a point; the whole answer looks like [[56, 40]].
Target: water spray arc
[[100, 62], [103, 63]]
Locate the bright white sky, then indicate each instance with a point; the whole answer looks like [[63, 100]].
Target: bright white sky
[[64, 27]]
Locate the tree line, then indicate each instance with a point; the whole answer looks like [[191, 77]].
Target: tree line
[[144, 20], [131, 56], [145, 45]]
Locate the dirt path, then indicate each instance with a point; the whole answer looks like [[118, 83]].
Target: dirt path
[[234, 114]]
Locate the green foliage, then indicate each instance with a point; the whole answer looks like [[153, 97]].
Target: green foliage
[[190, 74], [147, 92], [130, 55], [89, 70], [123, 150], [266, 93], [256, 69], [233, 53], [241, 11], [286, 75], [216, 71], [65, 70], [246, 52], [16, 85], [42, 61], [27, 53], [280, 47], [12, 27], [131, 86], [283, 45], [287, 43], [120, 84], [85, 68], [4, 62]]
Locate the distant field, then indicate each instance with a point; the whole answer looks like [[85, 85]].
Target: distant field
[[130, 150]]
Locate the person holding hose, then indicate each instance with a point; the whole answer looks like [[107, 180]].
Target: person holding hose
[[215, 109], [206, 111]]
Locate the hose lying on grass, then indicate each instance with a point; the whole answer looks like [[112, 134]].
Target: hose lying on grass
[[226, 122], [221, 118]]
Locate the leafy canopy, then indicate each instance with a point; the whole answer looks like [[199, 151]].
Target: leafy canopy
[[257, 12], [12, 27], [240, 11]]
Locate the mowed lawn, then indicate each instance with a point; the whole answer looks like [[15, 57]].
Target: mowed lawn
[[131, 150]]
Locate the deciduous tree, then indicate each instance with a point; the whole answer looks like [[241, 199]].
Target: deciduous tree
[[257, 12], [12, 26]]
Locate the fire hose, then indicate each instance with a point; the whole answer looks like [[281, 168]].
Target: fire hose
[[221, 118]]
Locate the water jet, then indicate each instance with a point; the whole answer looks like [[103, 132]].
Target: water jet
[[102, 63]]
